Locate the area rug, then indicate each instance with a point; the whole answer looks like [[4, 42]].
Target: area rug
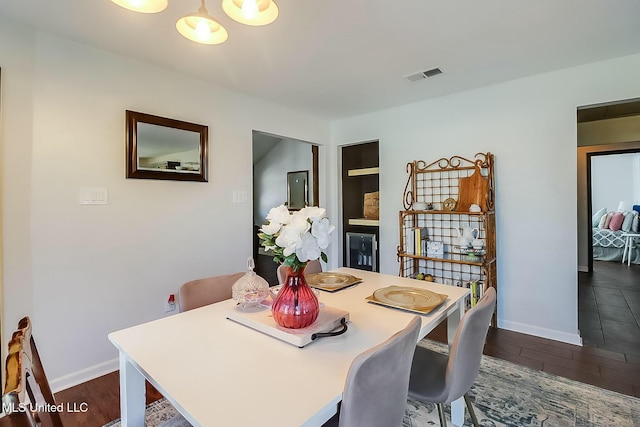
[[506, 395]]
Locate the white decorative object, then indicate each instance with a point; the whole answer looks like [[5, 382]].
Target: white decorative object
[[475, 208], [250, 289], [296, 237], [466, 236], [477, 243], [435, 249], [624, 206]]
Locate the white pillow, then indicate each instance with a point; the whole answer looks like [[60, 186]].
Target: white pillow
[[605, 220], [602, 221], [595, 220], [636, 224]]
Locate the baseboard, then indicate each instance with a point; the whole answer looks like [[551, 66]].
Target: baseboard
[[583, 268], [551, 334], [84, 375]]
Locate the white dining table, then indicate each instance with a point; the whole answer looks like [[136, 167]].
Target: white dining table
[[217, 372]]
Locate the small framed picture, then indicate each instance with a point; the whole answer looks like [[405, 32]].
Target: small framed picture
[[435, 249]]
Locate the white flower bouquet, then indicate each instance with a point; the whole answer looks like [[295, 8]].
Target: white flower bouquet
[[296, 237]]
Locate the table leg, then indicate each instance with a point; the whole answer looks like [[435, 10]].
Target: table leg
[[457, 406], [624, 251], [132, 394]]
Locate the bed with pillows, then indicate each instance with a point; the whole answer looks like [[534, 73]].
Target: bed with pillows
[[608, 228]]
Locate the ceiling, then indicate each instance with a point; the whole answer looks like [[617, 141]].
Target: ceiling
[[339, 58]]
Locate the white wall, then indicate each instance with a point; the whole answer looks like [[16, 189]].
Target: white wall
[[17, 63], [79, 271], [270, 175], [530, 125], [612, 181]]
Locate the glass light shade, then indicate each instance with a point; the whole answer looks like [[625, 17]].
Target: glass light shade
[[143, 6], [201, 28], [266, 14]]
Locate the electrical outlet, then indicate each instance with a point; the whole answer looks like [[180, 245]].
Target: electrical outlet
[[170, 303]]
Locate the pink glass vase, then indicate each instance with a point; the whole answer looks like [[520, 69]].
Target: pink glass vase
[[296, 305]]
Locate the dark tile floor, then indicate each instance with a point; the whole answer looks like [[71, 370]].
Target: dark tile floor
[[609, 307]]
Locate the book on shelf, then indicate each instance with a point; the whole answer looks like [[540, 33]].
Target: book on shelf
[[420, 239], [474, 293], [435, 249], [477, 290], [410, 245]]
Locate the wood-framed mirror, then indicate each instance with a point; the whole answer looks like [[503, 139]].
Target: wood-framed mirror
[[297, 190], [163, 148]]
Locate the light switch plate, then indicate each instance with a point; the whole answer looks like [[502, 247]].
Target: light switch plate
[[240, 197], [94, 196]]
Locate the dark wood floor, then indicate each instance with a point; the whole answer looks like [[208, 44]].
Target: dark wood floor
[[609, 307], [608, 363]]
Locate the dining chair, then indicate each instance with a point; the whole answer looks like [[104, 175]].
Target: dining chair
[[375, 391], [440, 378], [26, 384], [312, 268], [201, 292]]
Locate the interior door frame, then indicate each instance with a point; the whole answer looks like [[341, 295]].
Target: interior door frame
[[590, 155], [2, 338]]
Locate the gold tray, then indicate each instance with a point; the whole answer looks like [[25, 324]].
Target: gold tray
[[416, 300], [331, 282]]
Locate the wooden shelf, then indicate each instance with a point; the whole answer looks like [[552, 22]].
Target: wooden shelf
[[447, 212], [364, 221], [424, 184], [360, 176], [363, 171], [452, 258]]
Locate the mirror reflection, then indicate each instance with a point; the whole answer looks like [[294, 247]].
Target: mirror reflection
[[162, 148], [297, 190], [168, 149]]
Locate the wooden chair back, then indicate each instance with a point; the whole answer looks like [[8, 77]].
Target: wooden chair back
[[27, 396]]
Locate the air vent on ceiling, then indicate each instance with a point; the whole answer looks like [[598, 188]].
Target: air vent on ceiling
[[423, 74]]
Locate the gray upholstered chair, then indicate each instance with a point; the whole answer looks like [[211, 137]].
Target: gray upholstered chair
[[312, 267], [440, 378], [375, 392], [201, 292]]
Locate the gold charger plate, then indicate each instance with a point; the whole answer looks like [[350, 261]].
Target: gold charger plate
[[417, 300], [331, 282]]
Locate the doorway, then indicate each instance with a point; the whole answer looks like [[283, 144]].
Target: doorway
[[277, 161], [608, 293]]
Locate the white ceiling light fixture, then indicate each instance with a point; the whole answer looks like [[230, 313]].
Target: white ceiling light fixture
[[201, 27], [251, 12], [143, 6]]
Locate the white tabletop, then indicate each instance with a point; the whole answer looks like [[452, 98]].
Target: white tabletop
[[219, 373]]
